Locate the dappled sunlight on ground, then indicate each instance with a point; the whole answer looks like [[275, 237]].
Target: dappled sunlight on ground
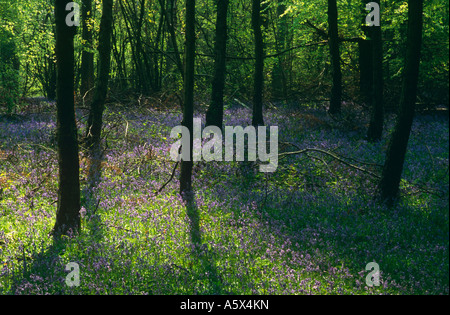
[[309, 228]]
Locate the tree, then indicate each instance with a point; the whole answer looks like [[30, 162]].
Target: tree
[[67, 216], [169, 14], [95, 120], [9, 59], [336, 90], [279, 84], [375, 130], [365, 60], [9, 72], [214, 114], [134, 15], [258, 84], [188, 108], [87, 56], [389, 184], [145, 45]]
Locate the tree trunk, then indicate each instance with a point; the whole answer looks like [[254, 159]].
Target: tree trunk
[[214, 114], [134, 17], [336, 90], [188, 110], [50, 81], [258, 84], [68, 207], [95, 120], [375, 131], [365, 59], [365, 70], [87, 57], [389, 184], [170, 15], [279, 84]]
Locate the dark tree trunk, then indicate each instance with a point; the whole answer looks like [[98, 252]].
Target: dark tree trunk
[[214, 114], [365, 59], [50, 87], [87, 57], [366, 67], [279, 84], [95, 120], [258, 84], [134, 17], [118, 53], [67, 216], [336, 90], [188, 111], [170, 18], [375, 131], [395, 156]]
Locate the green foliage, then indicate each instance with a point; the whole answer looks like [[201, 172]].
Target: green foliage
[[301, 61], [9, 88], [9, 72], [36, 42]]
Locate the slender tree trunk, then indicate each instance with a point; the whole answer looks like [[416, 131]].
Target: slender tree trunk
[[95, 120], [375, 131], [365, 70], [365, 59], [336, 90], [68, 206], [279, 84], [118, 54], [87, 57], [188, 110], [134, 20], [50, 91], [389, 184], [155, 62], [140, 57], [214, 114], [258, 84], [170, 15]]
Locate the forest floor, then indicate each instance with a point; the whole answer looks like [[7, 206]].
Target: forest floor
[[309, 228]]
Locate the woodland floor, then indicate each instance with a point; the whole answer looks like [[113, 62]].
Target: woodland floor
[[309, 228]]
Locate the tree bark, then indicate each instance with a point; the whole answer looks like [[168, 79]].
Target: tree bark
[[68, 206], [375, 130], [134, 16], [365, 60], [214, 114], [336, 90], [87, 57], [279, 84], [170, 18], [389, 184], [95, 120], [188, 110], [258, 84], [365, 70]]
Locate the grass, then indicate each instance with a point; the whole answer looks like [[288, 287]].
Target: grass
[[309, 228]]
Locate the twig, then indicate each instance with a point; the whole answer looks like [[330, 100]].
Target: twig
[[170, 179]]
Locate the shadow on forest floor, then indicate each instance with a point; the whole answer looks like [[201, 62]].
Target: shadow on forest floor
[[334, 228], [199, 250]]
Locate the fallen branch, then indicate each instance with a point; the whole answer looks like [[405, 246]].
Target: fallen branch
[[333, 155], [344, 157], [419, 187]]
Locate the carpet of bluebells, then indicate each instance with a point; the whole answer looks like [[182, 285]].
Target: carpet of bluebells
[[309, 228]]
